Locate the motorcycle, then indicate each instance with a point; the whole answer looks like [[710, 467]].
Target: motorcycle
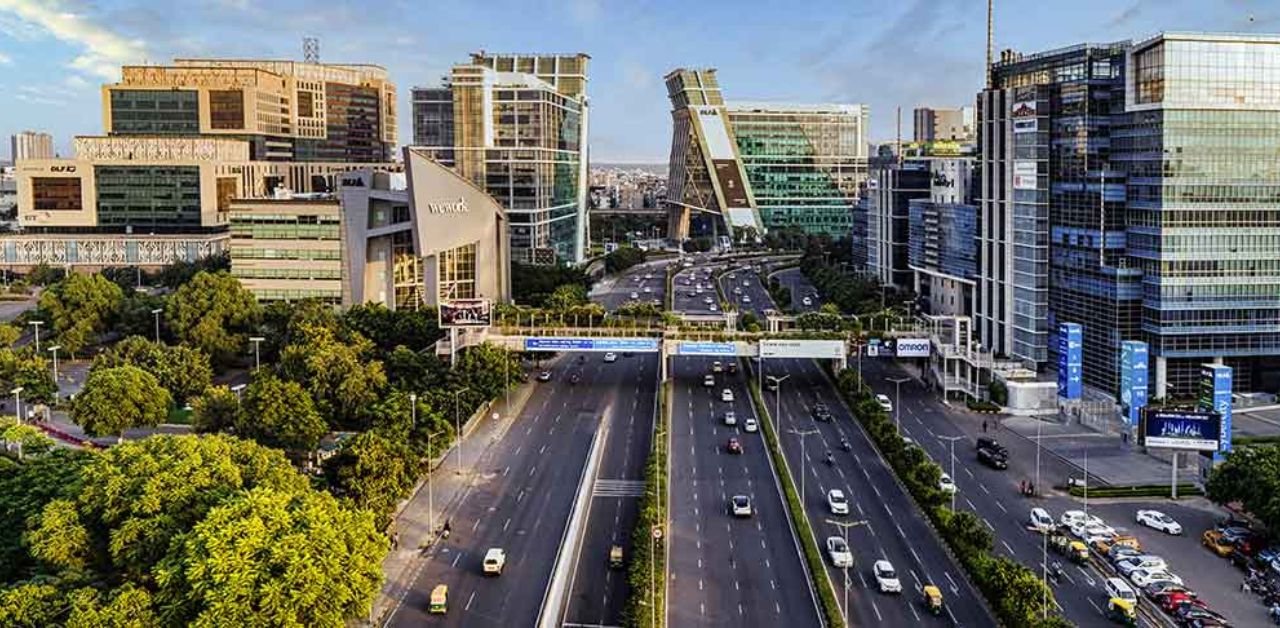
[[830, 460], [1055, 572], [575, 379], [845, 445]]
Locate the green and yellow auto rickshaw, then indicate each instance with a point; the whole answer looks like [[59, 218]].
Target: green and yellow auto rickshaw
[[933, 599]]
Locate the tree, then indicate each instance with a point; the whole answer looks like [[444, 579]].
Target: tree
[[182, 370], [1250, 476], [214, 410], [32, 372], [411, 370], [9, 334], [484, 369], [532, 284], [274, 558], [386, 328], [24, 492], [342, 383], [116, 399], [178, 273], [373, 472], [280, 413], [213, 313], [624, 257], [136, 315], [28, 439], [568, 296], [30, 605], [128, 606], [80, 308]]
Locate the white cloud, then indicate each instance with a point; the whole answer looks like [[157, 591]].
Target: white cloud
[[103, 50], [5, 59]]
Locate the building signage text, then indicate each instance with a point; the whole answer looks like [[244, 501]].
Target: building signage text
[[448, 207]]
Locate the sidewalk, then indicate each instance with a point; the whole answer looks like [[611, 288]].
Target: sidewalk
[[413, 521]]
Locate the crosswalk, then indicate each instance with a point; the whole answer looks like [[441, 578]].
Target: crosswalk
[[618, 488]]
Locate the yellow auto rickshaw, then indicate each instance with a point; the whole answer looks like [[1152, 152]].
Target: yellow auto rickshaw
[[439, 599], [933, 599], [1078, 552], [1122, 611], [615, 557]]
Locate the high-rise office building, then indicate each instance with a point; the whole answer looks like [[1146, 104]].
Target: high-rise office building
[[891, 185], [1131, 188], [182, 142], [30, 145], [516, 124], [931, 124], [760, 166], [942, 230]]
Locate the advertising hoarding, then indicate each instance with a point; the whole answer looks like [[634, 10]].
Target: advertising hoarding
[[1070, 360], [466, 313], [1215, 396], [1181, 430], [1026, 125], [1024, 109], [1024, 174], [592, 345], [913, 347], [1133, 379], [832, 349], [722, 349]]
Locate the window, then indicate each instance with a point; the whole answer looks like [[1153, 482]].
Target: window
[[56, 194], [226, 109]]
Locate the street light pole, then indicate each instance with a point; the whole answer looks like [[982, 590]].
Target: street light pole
[[844, 530], [257, 352], [802, 434], [457, 424], [953, 440], [238, 389], [54, 349], [37, 325], [17, 402], [777, 396], [156, 314], [897, 401]]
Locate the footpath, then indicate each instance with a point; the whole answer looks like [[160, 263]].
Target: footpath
[[415, 524]]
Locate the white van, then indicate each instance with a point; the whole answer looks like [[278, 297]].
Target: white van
[[1116, 587]]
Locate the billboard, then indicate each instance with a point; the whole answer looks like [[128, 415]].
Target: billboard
[[1024, 109], [1181, 430], [833, 349], [1070, 360], [593, 345], [466, 313], [1027, 125], [1133, 379], [913, 347], [723, 349], [1215, 396], [1024, 174]]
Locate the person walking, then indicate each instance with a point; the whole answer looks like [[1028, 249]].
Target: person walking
[[984, 426]]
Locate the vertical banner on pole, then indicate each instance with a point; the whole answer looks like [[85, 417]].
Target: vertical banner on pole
[[1070, 360], [1215, 396], [1133, 379]]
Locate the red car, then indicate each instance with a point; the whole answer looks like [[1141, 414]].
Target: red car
[[1172, 601], [734, 446]]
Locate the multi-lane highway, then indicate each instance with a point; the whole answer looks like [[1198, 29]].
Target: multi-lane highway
[[597, 591], [644, 283], [727, 570], [800, 287], [521, 495], [695, 291]]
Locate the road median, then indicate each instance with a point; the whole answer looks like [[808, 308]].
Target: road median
[[647, 570]]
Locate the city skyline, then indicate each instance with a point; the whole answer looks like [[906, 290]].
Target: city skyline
[[55, 55]]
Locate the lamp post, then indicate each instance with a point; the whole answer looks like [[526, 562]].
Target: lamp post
[[54, 350], [257, 351], [37, 325], [802, 434], [457, 424], [156, 314], [238, 389], [897, 400], [777, 396], [953, 440], [17, 401], [844, 529]]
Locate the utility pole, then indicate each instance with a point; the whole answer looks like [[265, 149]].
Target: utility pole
[[897, 400], [952, 440], [17, 402], [457, 424], [37, 325], [155, 313], [802, 434], [844, 529], [257, 352], [54, 350], [777, 396]]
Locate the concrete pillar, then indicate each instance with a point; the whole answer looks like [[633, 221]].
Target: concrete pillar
[[1162, 377]]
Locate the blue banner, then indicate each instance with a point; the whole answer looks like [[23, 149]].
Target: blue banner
[[1215, 396], [722, 349], [643, 345], [1070, 360], [1133, 379]]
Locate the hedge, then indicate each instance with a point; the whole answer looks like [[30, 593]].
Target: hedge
[[646, 568], [1264, 439], [1013, 591], [1146, 490], [795, 509]]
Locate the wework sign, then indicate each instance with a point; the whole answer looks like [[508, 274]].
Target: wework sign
[[448, 207]]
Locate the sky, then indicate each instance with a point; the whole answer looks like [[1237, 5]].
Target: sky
[[55, 54]]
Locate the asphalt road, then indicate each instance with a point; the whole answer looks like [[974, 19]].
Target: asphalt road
[[994, 496], [696, 304], [726, 570], [742, 287], [894, 530], [613, 292], [520, 500], [597, 592], [800, 286]]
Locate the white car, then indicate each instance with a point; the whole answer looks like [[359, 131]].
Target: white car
[[886, 577], [1072, 517], [750, 425], [1143, 577], [733, 277], [946, 484], [648, 290], [1159, 521], [707, 300], [730, 418], [648, 276], [611, 357], [1041, 521], [740, 506], [837, 502], [726, 395], [745, 283], [807, 301], [709, 381], [635, 295], [884, 402], [737, 290], [838, 552], [494, 561], [1092, 530], [717, 367], [746, 298], [712, 308], [1146, 562]]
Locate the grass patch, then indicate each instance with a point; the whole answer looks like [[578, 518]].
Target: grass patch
[[179, 416], [647, 567], [1146, 490]]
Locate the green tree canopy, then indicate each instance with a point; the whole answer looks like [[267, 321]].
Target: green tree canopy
[[80, 308], [24, 492], [568, 296], [335, 371], [280, 413], [32, 372], [532, 284], [274, 558], [1250, 476], [182, 370], [116, 399], [386, 328], [213, 313], [624, 257], [373, 472], [214, 410]]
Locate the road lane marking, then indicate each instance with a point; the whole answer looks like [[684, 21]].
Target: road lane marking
[[1002, 508], [1008, 547], [954, 587], [984, 488], [475, 525], [989, 526], [900, 532], [456, 557], [506, 525], [469, 601]]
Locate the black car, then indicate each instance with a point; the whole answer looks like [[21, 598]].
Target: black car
[[992, 454], [821, 412]]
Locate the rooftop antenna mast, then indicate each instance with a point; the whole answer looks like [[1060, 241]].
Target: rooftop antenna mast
[[311, 49], [990, 38]]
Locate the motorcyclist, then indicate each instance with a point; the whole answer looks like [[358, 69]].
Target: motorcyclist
[[447, 529], [844, 444], [830, 458], [1055, 570]]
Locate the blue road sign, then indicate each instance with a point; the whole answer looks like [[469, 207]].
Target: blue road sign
[[598, 345], [722, 349]]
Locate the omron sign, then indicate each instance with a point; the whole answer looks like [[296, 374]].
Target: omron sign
[[833, 349], [913, 348], [448, 207]]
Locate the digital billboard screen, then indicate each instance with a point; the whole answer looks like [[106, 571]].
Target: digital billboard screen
[[1197, 431]]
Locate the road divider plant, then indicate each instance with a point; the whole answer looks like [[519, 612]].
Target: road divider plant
[[795, 510], [1014, 592], [647, 569]]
